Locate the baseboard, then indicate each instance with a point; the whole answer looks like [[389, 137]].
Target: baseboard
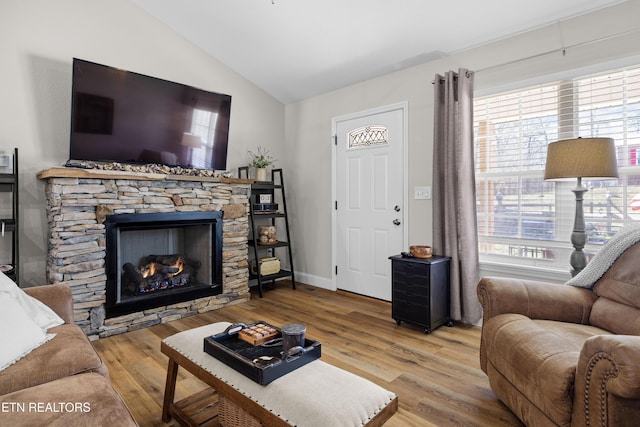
[[316, 281]]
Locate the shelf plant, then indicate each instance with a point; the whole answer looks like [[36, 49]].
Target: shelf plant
[[260, 160]]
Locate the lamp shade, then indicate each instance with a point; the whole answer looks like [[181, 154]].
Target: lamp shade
[[190, 140], [581, 158]]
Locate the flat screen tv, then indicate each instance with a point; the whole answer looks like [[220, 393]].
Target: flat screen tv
[[126, 117]]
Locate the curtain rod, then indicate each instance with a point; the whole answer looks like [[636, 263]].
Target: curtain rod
[[562, 50], [468, 73]]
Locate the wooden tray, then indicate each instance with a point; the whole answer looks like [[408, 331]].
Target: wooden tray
[[258, 333], [262, 363]]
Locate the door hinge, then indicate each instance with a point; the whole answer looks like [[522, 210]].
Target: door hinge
[[336, 270], [335, 139], [336, 205]]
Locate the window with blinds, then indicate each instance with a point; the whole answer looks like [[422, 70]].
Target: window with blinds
[[524, 219]]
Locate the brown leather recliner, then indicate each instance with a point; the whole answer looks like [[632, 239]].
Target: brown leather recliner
[[559, 355]]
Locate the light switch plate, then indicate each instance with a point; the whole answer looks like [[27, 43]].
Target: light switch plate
[[422, 193]]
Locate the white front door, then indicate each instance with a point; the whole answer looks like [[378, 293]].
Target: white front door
[[369, 184]]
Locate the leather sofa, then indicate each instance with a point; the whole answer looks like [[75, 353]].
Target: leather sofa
[[559, 355], [63, 382]]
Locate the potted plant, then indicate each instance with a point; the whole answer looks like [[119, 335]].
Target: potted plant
[[260, 160]]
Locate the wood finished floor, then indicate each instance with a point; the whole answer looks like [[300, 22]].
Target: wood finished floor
[[437, 377]]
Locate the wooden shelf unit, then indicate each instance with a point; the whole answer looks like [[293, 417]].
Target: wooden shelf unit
[[278, 218], [10, 224]]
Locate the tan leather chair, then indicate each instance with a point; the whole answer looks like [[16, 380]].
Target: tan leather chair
[[63, 382], [559, 355]]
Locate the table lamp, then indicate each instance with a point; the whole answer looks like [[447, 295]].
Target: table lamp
[[580, 158]]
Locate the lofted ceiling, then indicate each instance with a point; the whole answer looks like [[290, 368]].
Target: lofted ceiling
[[296, 49]]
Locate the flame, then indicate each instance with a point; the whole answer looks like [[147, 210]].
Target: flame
[[148, 270], [179, 264], [152, 268]]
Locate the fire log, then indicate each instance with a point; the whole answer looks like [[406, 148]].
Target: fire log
[[157, 272], [172, 260], [131, 278], [154, 268]]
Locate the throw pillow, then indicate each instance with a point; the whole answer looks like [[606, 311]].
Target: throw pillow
[[36, 310], [19, 334]]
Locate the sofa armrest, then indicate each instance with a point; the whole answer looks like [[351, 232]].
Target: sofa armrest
[[536, 300], [57, 297], [607, 385]]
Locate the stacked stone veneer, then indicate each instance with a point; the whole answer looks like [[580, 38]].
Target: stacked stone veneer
[[76, 209]]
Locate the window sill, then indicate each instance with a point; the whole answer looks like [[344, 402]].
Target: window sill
[[489, 268]]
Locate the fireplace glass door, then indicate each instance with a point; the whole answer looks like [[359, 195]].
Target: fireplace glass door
[[162, 259], [159, 259]]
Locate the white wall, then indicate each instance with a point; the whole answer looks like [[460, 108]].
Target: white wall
[[39, 38], [308, 123]]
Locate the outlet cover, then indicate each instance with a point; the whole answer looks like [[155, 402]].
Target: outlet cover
[[422, 193]]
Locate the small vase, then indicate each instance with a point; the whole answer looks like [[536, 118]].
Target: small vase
[[261, 174]]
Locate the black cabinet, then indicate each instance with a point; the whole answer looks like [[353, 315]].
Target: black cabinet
[[420, 291], [9, 217], [268, 207]]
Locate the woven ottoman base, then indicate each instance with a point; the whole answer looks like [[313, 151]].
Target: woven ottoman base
[[230, 415]]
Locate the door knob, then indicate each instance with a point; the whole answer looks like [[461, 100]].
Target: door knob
[[396, 221]]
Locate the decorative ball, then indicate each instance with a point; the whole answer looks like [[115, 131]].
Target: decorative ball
[[267, 234]]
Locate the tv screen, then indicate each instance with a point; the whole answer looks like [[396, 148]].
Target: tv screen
[[126, 117]]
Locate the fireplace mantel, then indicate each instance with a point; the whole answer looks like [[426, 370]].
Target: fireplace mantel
[[72, 172], [79, 200]]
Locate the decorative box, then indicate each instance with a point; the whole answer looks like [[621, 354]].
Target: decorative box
[[265, 207], [258, 333], [269, 265]]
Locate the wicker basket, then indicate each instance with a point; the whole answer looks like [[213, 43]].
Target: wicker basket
[[230, 415]]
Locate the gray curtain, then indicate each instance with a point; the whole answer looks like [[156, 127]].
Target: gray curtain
[[454, 190]]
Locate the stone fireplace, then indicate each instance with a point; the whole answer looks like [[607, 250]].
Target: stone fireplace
[[190, 231]]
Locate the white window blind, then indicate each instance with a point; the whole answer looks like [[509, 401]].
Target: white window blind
[[203, 124], [523, 219]]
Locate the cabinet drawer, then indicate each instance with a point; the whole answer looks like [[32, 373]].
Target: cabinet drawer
[[409, 271], [411, 287], [400, 297], [411, 312]]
